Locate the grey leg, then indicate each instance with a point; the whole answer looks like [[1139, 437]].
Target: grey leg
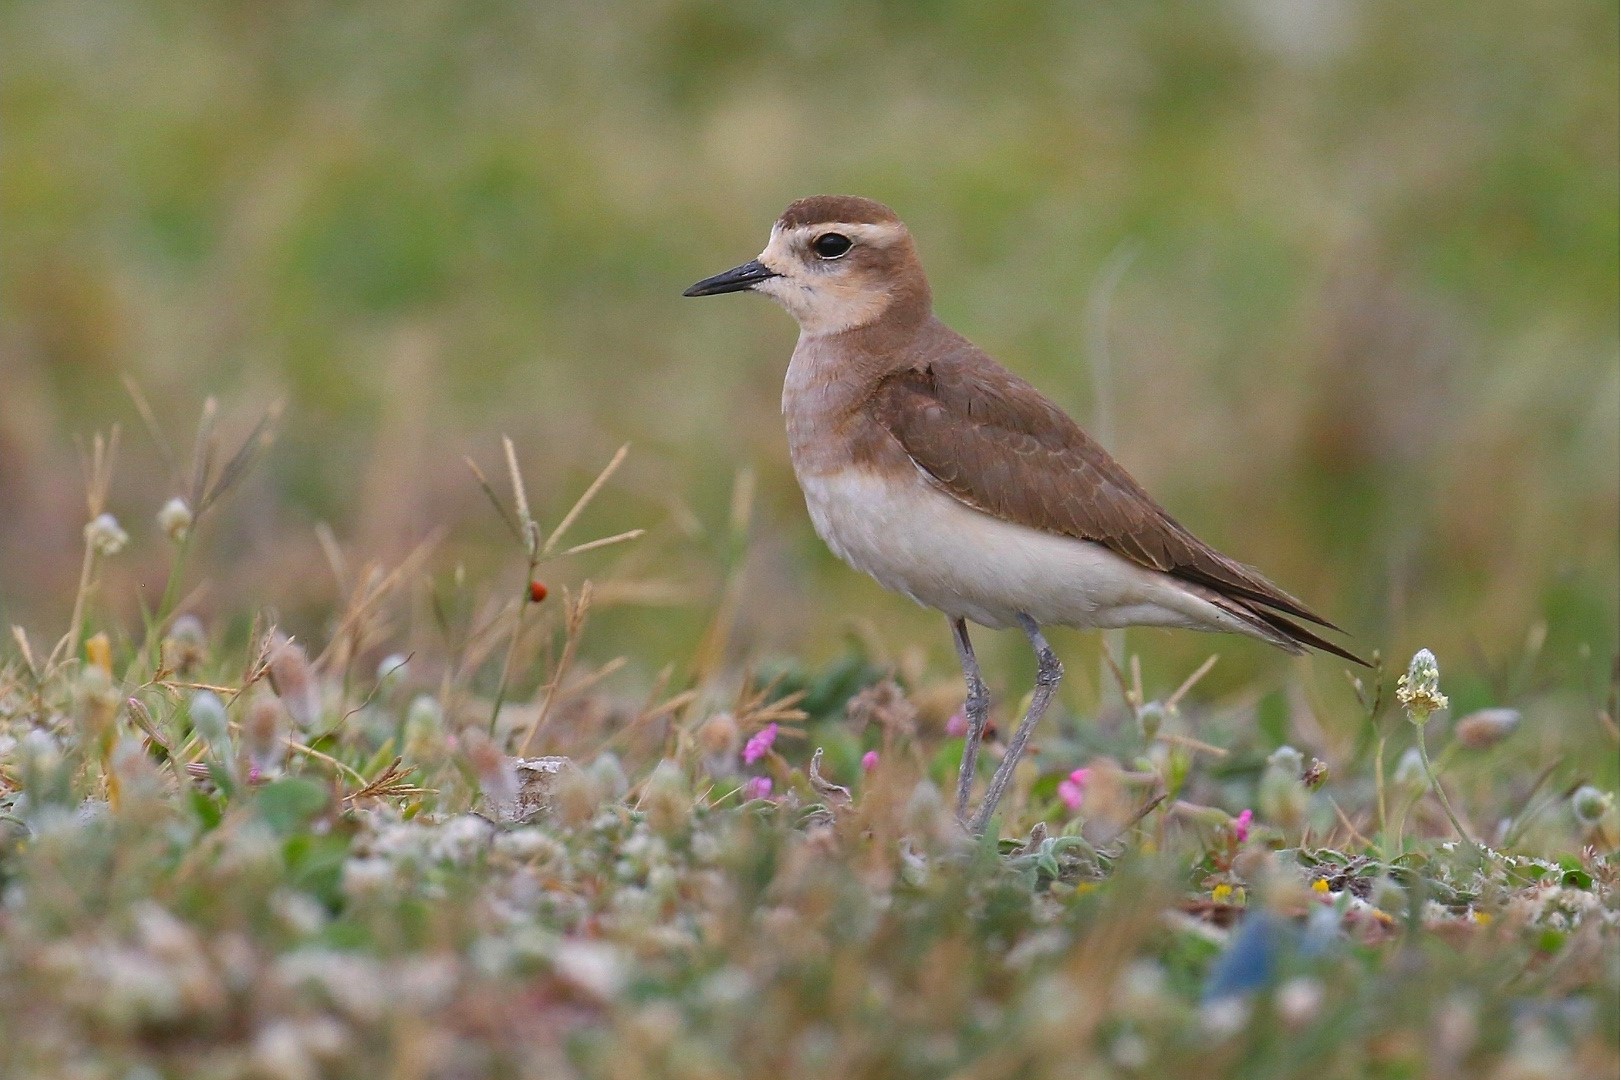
[[975, 707], [1048, 672]]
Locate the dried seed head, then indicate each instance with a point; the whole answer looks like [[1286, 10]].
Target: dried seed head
[[719, 735], [927, 819], [1150, 718], [40, 751], [610, 772], [577, 794], [175, 519], [293, 678], [424, 718], [208, 720], [1419, 691], [264, 734], [886, 705], [1315, 775], [137, 773], [496, 772], [1486, 727], [1590, 805], [1281, 796], [105, 535], [98, 703], [185, 646], [1286, 759], [666, 799]]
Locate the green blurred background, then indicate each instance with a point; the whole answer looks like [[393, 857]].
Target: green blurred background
[[1335, 278]]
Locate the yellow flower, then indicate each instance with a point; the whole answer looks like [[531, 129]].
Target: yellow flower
[[1320, 886], [99, 651], [1221, 893]]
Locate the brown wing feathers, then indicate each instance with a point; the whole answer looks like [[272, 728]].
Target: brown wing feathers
[[993, 442]]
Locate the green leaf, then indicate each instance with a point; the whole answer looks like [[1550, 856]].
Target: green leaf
[[1579, 878], [944, 765], [1272, 718], [208, 809], [315, 865], [290, 803]]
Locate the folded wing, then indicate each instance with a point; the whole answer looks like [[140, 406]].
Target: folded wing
[[995, 443]]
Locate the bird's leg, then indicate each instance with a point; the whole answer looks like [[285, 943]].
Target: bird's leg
[[1048, 672], [974, 708]]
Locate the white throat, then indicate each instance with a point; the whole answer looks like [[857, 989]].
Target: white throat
[[822, 303]]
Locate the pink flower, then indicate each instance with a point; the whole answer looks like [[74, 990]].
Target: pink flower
[[1072, 789], [1241, 825], [958, 724], [869, 761], [758, 787], [759, 744]]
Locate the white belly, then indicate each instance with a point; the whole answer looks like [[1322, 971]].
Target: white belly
[[917, 540]]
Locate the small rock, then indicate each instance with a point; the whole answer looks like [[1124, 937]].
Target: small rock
[[535, 779]]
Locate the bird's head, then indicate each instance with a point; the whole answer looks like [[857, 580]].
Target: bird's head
[[836, 263]]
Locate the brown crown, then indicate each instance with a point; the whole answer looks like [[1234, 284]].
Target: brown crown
[[827, 209]]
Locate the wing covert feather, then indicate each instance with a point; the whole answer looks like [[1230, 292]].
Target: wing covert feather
[[994, 442]]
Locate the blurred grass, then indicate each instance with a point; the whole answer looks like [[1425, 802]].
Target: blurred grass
[[1364, 336]]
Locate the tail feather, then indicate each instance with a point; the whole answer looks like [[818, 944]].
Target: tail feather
[[1284, 633], [1248, 587]]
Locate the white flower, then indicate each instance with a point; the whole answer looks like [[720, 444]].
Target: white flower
[[460, 839], [175, 519], [300, 912], [1129, 1051], [1225, 1016], [208, 718], [595, 968], [394, 669], [105, 535], [363, 877], [1419, 690], [1298, 1001], [356, 984], [1590, 804], [528, 845]]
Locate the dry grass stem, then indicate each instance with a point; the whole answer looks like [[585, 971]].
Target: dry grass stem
[[573, 627], [584, 500]]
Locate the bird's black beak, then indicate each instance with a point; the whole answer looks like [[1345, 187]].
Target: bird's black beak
[[736, 279]]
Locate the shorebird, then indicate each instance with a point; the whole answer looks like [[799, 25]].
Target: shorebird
[[949, 479]]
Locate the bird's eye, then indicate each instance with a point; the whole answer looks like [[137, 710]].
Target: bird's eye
[[830, 245]]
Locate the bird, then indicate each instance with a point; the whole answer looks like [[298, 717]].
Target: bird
[[947, 478]]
